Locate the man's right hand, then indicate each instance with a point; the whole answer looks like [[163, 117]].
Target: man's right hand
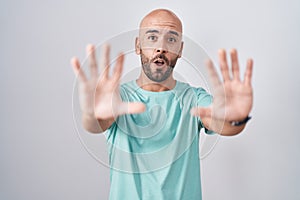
[[99, 95]]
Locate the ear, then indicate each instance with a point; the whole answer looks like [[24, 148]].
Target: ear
[[137, 46], [180, 51]]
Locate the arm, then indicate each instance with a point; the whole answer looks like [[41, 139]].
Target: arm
[[94, 125], [99, 96], [232, 100]]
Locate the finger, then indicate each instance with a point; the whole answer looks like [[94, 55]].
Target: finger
[[201, 112], [224, 65], [248, 73], [132, 108], [118, 68], [90, 51], [214, 78], [77, 69], [104, 60], [235, 64]]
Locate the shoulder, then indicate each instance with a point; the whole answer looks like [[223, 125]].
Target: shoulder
[[199, 93], [183, 87], [128, 87]]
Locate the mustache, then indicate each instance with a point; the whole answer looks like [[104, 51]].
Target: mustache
[[161, 56]]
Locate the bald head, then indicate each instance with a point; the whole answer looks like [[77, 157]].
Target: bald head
[[161, 18]]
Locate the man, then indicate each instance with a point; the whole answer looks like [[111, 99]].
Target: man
[[152, 124]]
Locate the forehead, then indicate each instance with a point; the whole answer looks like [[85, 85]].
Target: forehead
[[159, 30]]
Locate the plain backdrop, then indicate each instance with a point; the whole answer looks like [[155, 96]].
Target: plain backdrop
[[42, 156]]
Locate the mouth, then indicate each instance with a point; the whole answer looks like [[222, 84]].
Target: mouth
[[160, 62]]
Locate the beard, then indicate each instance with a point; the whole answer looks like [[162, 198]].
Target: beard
[[158, 74]]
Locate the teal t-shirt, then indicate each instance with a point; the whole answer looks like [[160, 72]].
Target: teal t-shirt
[[155, 155]]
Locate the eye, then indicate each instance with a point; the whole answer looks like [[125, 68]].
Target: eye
[[171, 39], [152, 37]]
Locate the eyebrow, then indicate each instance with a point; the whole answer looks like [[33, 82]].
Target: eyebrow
[[174, 32], [152, 31], [156, 31]]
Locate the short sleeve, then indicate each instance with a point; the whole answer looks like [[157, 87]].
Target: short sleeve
[[204, 99]]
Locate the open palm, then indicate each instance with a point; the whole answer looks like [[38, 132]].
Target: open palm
[[232, 98], [99, 96]]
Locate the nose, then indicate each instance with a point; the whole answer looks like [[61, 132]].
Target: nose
[[161, 48]]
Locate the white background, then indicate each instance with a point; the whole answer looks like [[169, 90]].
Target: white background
[[41, 155]]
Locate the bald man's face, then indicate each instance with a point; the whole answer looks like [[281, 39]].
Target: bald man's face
[[159, 45]]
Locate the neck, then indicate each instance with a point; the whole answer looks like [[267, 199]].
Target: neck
[[147, 84]]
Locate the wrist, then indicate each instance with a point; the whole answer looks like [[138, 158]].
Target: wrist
[[240, 122]]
